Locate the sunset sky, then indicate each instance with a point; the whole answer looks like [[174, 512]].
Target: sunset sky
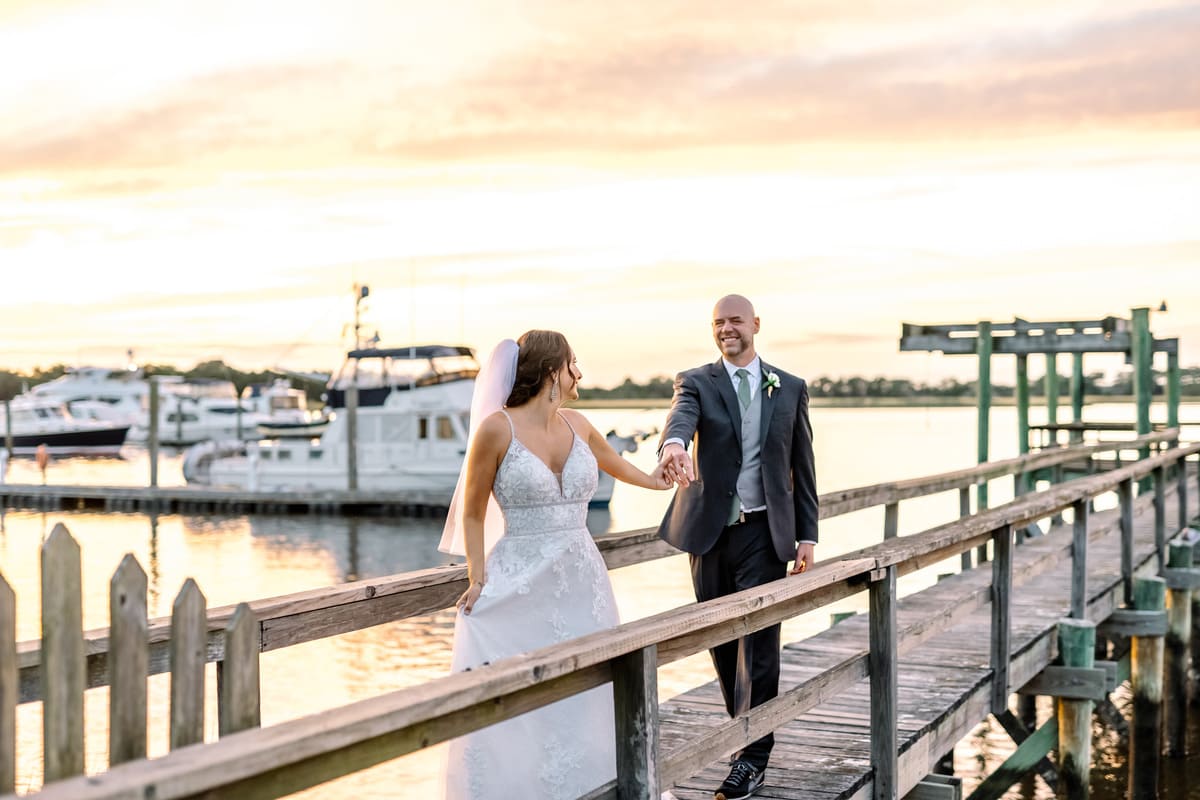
[[202, 180]]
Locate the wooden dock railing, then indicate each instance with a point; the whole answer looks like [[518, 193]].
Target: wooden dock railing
[[287, 757]]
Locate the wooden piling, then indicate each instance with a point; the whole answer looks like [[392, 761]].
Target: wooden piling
[[1160, 516], [1146, 663], [152, 441], [891, 520], [1079, 595], [1076, 647], [352, 436], [1125, 498], [1051, 386], [1173, 389], [1077, 395], [1022, 410], [964, 510], [1002, 547], [1175, 674], [1143, 386]]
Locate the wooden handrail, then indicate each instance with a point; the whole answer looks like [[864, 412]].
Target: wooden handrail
[[289, 756], [313, 614]]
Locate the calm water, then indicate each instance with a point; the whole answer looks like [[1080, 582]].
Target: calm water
[[241, 558]]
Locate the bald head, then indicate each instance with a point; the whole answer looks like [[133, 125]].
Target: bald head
[[734, 326]]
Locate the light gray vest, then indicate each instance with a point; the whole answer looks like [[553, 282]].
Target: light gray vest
[[749, 482]]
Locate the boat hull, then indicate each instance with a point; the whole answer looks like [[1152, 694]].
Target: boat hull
[[100, 441]]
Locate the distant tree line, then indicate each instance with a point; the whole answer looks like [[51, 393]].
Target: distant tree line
[[13, 383], [1094, 384], [661, 386]]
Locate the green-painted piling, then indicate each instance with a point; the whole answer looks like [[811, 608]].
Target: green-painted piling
[[1077, 647], [1175, 675], [1077, 395], [1146, 663]]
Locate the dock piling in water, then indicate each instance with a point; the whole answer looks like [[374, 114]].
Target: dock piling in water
[[1146, 663], [1175, 676], [1077, 647]]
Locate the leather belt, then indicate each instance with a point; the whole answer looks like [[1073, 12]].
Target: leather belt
[[748, 516]]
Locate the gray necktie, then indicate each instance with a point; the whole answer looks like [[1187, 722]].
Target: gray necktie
[[743, 389]]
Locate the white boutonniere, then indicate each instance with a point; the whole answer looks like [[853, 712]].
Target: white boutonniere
[[771, 381]]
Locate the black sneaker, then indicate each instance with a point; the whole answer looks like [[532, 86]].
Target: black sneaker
[[743, 781]]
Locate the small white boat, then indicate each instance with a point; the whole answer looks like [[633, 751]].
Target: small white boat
[[47, 422]]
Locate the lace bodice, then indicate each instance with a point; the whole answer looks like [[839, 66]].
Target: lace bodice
[[535, 500]]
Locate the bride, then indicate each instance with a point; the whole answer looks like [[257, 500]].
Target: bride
[[535, 574]]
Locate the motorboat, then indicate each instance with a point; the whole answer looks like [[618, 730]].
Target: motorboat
[[98, 393], [198, 409], [412, 416], [47, 422], [284, 411]]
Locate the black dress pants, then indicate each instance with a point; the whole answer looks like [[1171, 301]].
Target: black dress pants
[[747, 668]]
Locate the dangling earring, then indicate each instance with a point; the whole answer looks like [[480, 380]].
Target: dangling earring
[[554, 390]]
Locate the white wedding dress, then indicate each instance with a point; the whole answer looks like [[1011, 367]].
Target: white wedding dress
[[546, 583]]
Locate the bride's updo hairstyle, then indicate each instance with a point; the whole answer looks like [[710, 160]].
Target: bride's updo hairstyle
[[541, 354]]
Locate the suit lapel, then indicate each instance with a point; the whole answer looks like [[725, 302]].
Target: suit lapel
[[768, 404], [720, 379]]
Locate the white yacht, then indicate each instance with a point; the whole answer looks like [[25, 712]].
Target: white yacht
[[99, 393], [45, 421]]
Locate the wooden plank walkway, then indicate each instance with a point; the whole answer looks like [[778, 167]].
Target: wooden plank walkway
[[187, 499], [944, 683]]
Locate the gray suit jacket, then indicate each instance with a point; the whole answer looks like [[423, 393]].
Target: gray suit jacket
[[706, 412]]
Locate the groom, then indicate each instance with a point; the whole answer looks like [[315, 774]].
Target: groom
[[746, 503]]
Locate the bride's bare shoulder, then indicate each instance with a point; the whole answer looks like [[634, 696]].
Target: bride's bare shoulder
[[494, 431]]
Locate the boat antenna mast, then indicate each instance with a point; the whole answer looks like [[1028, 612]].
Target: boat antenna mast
[[361, 292]]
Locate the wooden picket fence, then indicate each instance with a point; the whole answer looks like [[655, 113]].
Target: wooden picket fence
[[64, 665]]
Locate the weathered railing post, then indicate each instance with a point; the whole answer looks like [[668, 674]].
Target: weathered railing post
[[1077, 396], [1182, 495], [1143, 386], [1160, 516], [891, 520], [128, 660], [635, 703], [63, 664], [8, 688], [1175, 675], [964, 510], [238, 706], [1002, 544], [1077, 647], [883, 678], [1146, 660], [1022, 391], [187, 655], [1125, 497], [1079, 596]]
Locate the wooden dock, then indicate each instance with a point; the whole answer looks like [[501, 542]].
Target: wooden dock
[[945, 682], [188, 499], [867, 709]]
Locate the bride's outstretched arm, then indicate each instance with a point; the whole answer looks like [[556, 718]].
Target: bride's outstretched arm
[[610, 460], [487, 448]]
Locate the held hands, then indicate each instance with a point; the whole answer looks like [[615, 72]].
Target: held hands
[[659, 478], [804, 558], [677, 464]]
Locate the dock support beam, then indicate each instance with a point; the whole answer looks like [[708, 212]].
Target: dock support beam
[[883, 678], [1146, 663], [1175, 676], [983, 347], [1173, 390], [635, 696], [1022, 406], [1143, 386], [1077, 647], [1051, 384], [1077, 396]]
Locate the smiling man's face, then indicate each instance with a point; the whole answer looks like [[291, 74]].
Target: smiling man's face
[[734, 326]]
